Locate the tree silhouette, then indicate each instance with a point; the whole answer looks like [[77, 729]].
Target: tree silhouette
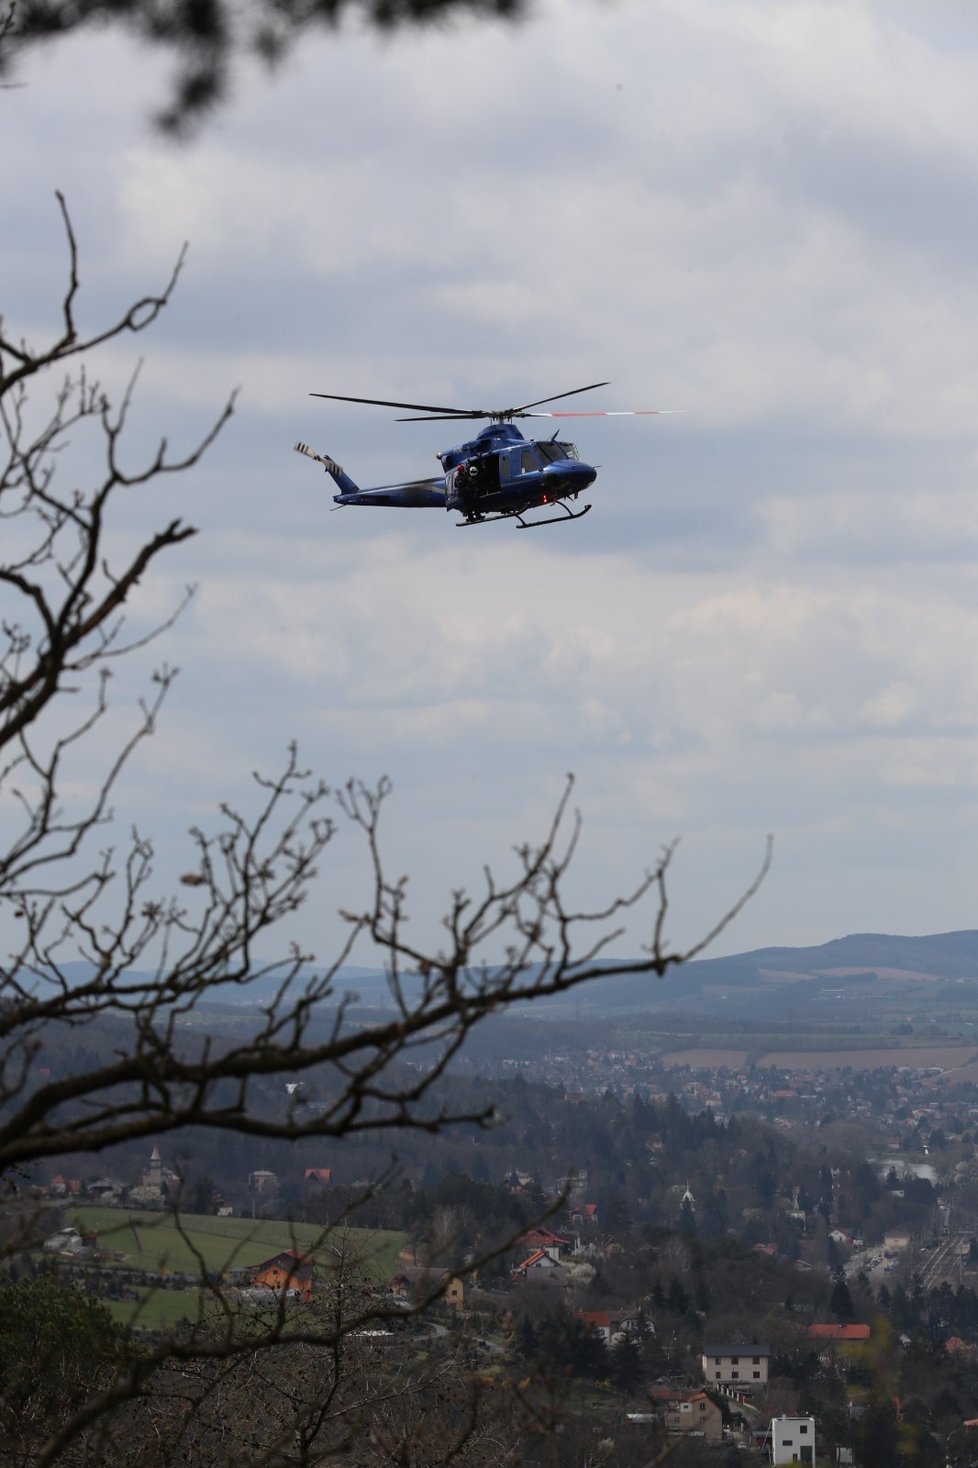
[[102, 1035], [840, 1301], [210, 39]]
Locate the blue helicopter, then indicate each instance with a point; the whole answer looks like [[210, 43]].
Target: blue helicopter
[[498, 475]]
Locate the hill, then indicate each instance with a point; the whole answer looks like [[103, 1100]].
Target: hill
[[879, 977], [875, 969]]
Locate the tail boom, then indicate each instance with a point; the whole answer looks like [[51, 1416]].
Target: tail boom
[[335, 471], [416, 494]]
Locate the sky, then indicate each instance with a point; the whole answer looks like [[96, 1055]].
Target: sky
[[761, 212]]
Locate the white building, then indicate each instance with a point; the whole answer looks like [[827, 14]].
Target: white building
[[65, 1241], [742, 1366], [793, 1440]]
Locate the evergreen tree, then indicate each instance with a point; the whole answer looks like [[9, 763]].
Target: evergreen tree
[[527, 1341], [677, 1299], [840, 1301], [878, 1437], [625, 1363]]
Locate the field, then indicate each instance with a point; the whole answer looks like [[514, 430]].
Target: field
[[858, 1056], [155, 1309], [920, 1057], [158, 1241]]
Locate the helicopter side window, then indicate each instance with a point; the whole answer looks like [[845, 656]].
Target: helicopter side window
[[528, 462], [553, 451]]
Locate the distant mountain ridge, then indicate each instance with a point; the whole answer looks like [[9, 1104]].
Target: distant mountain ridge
[[941, 955], [762, 983], [770, 979]]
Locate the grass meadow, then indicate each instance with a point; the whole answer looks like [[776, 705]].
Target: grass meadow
[[161, 1243]]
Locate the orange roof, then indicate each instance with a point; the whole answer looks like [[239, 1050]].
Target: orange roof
[[538, 1236], [677, 1394], [832, 1332], [534, 1258], [286, 1260]]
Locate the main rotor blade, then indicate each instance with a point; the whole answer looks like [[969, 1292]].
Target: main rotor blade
[[434, 413], [386, 403], [445, 417], [609, 413], [590, 388]]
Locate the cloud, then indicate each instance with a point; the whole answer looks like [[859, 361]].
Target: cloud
[[762, 213]]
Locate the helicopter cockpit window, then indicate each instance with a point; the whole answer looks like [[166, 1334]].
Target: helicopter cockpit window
[[528, 462], [552, 451]]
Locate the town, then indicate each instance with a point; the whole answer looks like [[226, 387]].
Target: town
[[759, 1261]]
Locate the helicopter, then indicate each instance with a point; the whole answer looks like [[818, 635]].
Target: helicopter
[[497, 475]]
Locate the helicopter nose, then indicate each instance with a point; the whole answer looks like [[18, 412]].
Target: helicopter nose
[[569, 476]]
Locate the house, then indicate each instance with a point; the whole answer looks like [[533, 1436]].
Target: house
[[320, 1175], [65, 1241], [106, 1188], [288, 1274], [574, 1183], [793, 1440], [830, 1331], [598, 1321], [688, 1410], [518, 1180], [634, 1323], [262, 1181], [415, 1282], [545, 1238], [454, 1295], [61, 1187], [744, 1366], [541, 1265]]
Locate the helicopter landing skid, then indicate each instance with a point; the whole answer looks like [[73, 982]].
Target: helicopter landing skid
[[563, 519]]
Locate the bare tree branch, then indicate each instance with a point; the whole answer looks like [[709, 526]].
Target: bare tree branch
[[210, 40], [154, 958]]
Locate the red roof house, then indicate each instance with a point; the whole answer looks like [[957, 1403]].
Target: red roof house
[[287, 1273], [832, 1332], [318, 1175]]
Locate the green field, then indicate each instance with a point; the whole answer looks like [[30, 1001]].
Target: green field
[[155, 1309], [159, 1241]]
